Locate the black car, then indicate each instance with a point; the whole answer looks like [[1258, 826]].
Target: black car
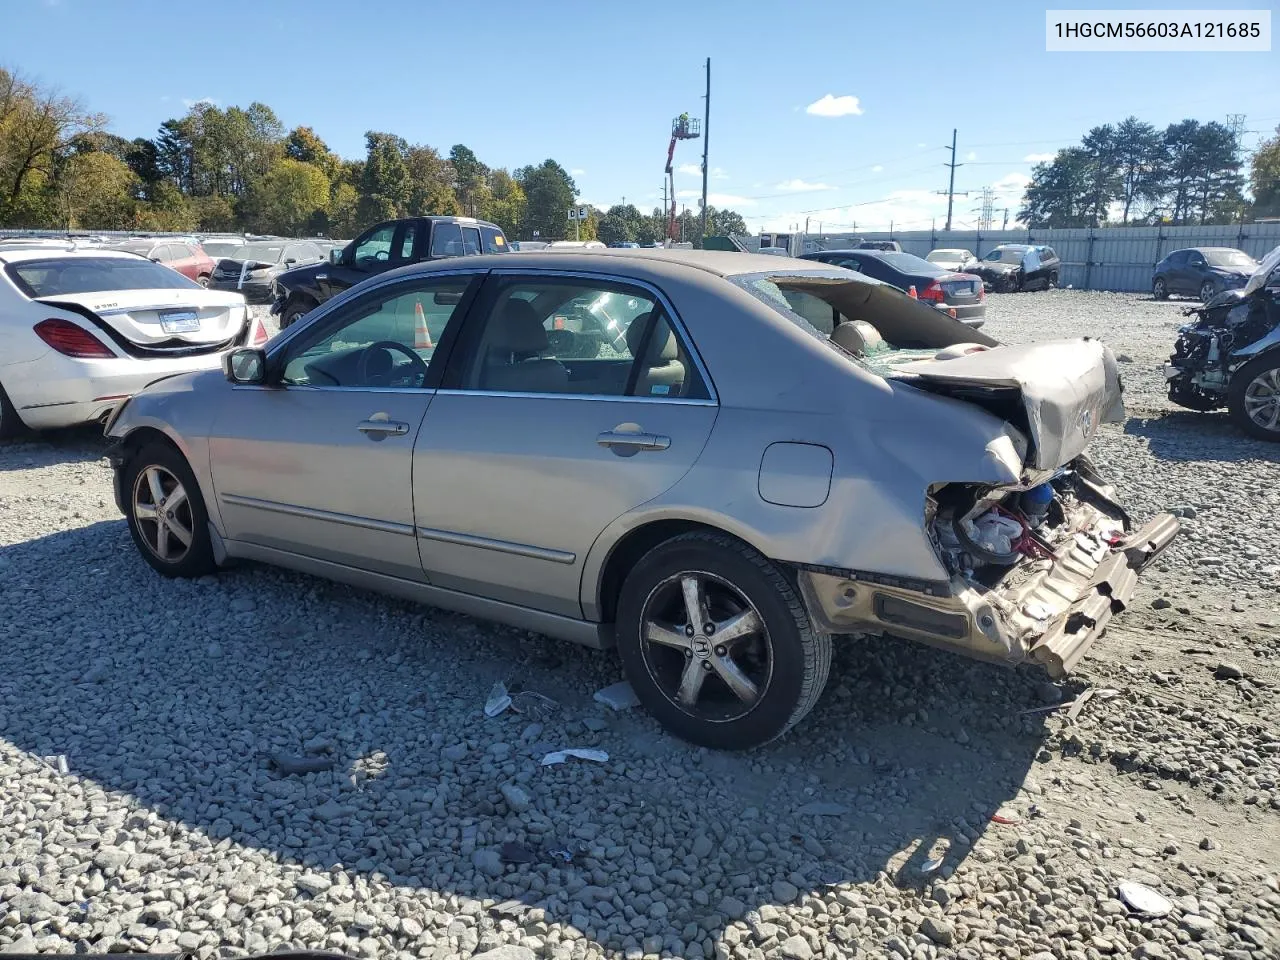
[[382, 247], [253, 267], [1202, 272], [1012, 267], [959, 295]]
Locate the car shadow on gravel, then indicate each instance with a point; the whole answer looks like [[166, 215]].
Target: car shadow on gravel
[[83, 444], [1188, 436], [176, 700]]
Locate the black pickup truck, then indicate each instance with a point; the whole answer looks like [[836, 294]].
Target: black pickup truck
[[382, 247]]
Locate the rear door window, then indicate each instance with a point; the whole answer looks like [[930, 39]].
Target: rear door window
[[471, 241], [493, 241], [446, 240]]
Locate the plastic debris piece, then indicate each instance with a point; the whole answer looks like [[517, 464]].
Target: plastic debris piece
[[1143, 899], [499, 700], [929, 866], [1007, 821], [562, 853], [820, 808], [617, 696], [560, 756], [57, 763], [517, 853], [292, 764]]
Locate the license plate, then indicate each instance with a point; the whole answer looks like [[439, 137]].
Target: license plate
[[180, 322]]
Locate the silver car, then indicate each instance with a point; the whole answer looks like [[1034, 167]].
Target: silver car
[[715, 462]]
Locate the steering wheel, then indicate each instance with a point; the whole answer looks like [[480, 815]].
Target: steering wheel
[[386, 365]]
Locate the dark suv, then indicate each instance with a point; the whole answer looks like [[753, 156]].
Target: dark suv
[[382, 247]]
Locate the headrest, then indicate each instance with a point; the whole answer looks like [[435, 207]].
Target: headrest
[[856, 336], [517, 329], [662, 345]]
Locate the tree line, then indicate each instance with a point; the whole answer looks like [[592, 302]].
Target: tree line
[[1133, 173], [239, 170]]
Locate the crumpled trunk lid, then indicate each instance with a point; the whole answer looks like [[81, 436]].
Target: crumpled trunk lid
[[1058, 392], [162, 319]]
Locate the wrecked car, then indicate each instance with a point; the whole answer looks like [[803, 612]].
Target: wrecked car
[[770, 454], [1014, 267], [1230, 355]]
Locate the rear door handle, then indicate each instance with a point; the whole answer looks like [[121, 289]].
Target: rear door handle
[[627, 444], [380, 429]]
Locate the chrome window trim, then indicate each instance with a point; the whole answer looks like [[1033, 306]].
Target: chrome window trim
[[500, 546], [311, 513], [607, 397], [677, 324], [330, 388]]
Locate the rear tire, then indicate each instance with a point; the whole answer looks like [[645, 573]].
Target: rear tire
[[1253, 398], [294, 310], [203, 280], [11, 424], [1053, 281], [1160, 289], [741, 679], [166, 513]]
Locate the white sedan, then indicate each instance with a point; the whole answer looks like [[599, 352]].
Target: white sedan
[[951, 258], [83, 329]]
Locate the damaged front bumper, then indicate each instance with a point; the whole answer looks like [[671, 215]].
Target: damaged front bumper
[[1047, 611]]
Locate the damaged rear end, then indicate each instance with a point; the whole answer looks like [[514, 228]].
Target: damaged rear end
[[1035, 572]]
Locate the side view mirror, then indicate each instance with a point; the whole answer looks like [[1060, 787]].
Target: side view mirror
[[247, 365], [290, 261], [335, 256], [155, 260]]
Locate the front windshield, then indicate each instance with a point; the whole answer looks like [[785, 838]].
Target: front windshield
[[1005, 255], [262, 252], [1230, 258], [71, 275]]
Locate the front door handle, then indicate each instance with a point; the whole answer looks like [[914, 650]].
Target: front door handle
[[626, 444], [376, 429]]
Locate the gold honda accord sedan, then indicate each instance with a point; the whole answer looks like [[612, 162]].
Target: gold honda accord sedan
[[714, 462]]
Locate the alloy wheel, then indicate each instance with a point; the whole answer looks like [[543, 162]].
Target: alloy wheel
[[1160, 291], [162, 512], [706, 646], [1262, 399], [1207, 290]]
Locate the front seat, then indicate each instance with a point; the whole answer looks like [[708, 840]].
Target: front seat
[[515, 360], [661, 372]]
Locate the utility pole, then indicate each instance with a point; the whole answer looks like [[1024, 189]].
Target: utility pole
[[987, 213], [706, 140], [951, 186], [806, 226], [1005, 225], [665, 214]]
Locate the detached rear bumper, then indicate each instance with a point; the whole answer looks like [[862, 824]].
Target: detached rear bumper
[[1043, 611]]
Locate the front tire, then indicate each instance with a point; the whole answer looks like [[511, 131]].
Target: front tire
[[203, 280], [1253, 399], [1160, 289], [1208, 290], [716, 643], [294, 311], [1053, 281], [166, 513]]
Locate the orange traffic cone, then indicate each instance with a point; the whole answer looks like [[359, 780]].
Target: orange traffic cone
[[421, 335], [911, 292]]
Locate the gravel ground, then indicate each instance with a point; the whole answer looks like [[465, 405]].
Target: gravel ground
[[921, 811]]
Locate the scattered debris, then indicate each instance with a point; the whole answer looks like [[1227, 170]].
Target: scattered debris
[[499, 700], [617, 696], [1075, 705], [291, 764], [581, 753], [1006, 821], [1078, 704], [58, 763], [512, 852], [564, 854], [1161, 603], [930, 865], [1142, 899], [1228, 671], [821, 809]]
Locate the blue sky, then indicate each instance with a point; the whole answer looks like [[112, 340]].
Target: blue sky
[[834, 112]]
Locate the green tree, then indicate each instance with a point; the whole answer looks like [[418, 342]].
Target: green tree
[[725, 223], [549, 193], [168, 208], [303, 144], [503, 202], [1102, 172], [291, 199], [1203, 181], [621, 223], [384, 180], [1059, 192], [1139, 157], [1264, 178], [344, 211], [95, 190], [430, 184], [471, 177]]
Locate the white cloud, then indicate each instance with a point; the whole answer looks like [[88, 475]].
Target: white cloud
[[716, 199], [717, 173], [971, 155], [1038, 157], [188, 103], [802, 186], [577, 172], [689, 169], [877, 169], [1011, 184], [832, 106], [922, 145]]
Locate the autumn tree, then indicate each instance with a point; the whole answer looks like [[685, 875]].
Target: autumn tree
[[292, 199]]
